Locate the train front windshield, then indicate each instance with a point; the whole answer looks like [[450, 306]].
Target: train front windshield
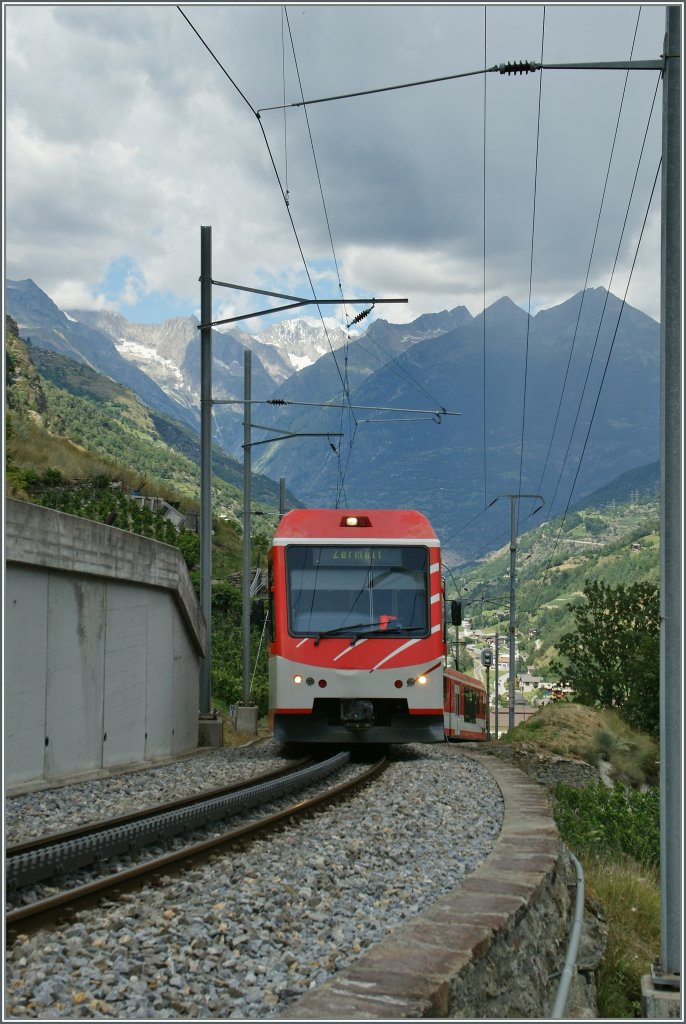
[[349, 590]]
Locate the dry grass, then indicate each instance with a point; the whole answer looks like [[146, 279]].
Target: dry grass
[[630, 897], [573, 730], [231, 736], [628, 892], [32, 447]]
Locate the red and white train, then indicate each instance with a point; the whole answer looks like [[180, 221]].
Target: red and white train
[[358, 633]]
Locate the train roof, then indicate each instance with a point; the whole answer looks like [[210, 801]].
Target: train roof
[[377, 524], [462, 677]]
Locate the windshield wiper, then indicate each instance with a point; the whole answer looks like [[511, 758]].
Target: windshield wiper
[[342, 630], [377, 631], [389, 631]]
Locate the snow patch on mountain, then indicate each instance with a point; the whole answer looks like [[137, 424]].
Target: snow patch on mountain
[[300, 362]]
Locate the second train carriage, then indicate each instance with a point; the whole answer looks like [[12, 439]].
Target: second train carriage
[[358, 640], [464, 703]]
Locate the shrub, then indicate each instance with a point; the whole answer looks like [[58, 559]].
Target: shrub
[[595, 820]]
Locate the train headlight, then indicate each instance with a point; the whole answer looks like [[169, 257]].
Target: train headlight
[[422, 680], [297, 678], [355, 521]]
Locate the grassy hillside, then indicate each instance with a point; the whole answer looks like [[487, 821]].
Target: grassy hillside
[[617, 543], [591, 734], [70, 425]]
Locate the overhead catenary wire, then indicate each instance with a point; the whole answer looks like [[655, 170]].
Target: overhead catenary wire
[[286, 198], [511, 68], [284, 195], [588, 268], [395, 366], [602, 381], [345, 378], [531, 264], [607, 294], [285, 113]]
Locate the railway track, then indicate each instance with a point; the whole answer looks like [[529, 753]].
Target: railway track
[[56, 856]]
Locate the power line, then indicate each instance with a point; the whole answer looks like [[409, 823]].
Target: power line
[[522, 67], [585, 285], [385, 88], [284, 194], [531, 261], [607, 363], [607, 294], [345, 379], [590, 261]]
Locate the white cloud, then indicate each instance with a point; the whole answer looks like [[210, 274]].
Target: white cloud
[[77, 295], [123, 137]]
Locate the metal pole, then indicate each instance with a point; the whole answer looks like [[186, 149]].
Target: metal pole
[[513, 549], [247, 372], [282, 497], [206, 463], [497, 640], [671, 544]]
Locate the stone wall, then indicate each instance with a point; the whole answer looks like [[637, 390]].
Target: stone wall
[[546, 767]]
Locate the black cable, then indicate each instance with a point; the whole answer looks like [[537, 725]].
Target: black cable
[[401, 371], [588, 269], [607, 295], [284, 194], [392, 88], [217, 61], [531, 264], [484, 269], [283, 79], [607, 362], [345, 378]]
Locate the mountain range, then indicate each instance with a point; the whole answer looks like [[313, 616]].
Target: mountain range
[[556, 404]]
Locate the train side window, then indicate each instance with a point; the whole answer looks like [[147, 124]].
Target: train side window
[[471, 704]]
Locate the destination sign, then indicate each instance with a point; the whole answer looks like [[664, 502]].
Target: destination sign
[[354, 555]]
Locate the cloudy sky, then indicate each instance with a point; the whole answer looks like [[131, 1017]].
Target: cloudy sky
[[124, 135]]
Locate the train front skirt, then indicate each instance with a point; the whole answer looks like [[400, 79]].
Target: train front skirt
[[359, 721]]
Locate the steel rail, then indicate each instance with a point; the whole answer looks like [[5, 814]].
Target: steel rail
[[91, 828], [27, 919], [63, 857]]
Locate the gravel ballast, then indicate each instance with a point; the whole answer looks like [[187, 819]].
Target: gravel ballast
[[248, 933]]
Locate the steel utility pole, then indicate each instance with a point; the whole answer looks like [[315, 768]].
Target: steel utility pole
[[497, 653], [671, 525], [206, 404], [247, 396], [512, 630], [206, 462]]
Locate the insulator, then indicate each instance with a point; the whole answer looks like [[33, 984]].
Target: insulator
[[514, 67], [360, 316]]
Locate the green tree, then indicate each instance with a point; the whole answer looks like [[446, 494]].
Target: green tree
[[227, 650], [611, 658]]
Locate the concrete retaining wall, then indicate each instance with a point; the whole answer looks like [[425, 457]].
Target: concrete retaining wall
[[493, 947], [103, 638]]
